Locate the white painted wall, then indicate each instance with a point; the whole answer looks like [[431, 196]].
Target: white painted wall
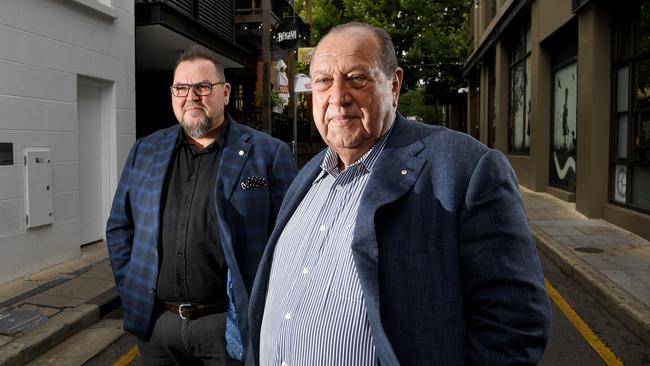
[[47, 46]]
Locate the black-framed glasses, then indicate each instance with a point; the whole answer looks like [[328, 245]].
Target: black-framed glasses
[[200, 89]]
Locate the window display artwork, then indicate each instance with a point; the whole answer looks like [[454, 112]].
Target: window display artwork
[[564, 145]]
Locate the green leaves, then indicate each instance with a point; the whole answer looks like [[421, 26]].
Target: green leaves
[[430, 36]]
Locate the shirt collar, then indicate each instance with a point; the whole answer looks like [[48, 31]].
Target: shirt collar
[[366, 162]]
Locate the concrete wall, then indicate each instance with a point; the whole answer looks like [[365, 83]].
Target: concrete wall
[[47, 46]]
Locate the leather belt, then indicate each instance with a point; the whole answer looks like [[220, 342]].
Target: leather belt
[[194, 311]]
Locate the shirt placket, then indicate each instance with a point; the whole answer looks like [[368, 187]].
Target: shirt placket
[[182, 230], [311, 270]]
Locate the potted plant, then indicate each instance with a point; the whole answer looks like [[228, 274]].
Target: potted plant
[[276, 101]]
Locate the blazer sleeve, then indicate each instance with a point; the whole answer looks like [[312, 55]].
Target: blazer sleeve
[[120, 226], [283, 170], [507, 307]]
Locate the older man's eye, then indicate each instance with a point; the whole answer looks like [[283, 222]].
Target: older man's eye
[[357, 81]]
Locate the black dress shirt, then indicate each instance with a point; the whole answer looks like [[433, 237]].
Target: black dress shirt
[[192, 264]]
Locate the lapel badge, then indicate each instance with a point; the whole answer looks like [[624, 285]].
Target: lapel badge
[[252, 182]]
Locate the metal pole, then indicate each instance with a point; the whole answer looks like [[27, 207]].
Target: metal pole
[[294, 100]]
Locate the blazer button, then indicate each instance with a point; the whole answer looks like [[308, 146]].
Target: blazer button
[[151, 290]]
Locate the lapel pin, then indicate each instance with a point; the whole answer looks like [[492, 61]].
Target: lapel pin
[[404, 171], [241, 153]]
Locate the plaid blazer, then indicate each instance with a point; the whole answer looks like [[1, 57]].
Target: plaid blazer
[[246, 214]]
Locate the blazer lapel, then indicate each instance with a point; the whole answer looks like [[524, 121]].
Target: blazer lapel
[[393, 175], [163, 155], [235, 153]]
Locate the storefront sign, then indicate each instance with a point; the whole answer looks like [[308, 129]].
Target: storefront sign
[[286, 32], [305, 54]]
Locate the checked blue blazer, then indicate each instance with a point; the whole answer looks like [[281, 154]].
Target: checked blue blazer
[[245, 216], [448, 267]]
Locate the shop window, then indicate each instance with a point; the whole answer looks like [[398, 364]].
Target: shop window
[[239, 98], [519, 96], [630, 165], [492, 9], [492, 102]]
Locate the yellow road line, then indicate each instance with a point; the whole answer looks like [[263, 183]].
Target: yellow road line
[[594, 341], [128, 357]]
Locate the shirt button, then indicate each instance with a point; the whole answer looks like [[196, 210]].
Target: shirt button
[[287, 316], [323, 228], [339, 187], [187, 201], [305, 270], [284, 363], [181, 226], [179, 255]]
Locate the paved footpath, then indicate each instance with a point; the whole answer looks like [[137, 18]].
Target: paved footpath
[[610, 263]]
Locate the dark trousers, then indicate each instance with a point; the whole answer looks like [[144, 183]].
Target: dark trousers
[[175, 341]]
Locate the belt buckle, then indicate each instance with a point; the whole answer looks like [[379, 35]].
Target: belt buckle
[[181, 309]]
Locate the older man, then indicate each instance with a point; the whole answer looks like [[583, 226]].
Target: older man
[[401, 243]]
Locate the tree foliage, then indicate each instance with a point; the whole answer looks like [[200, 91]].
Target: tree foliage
[[412, 104], [430, 37]]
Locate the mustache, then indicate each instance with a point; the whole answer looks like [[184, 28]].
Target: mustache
[[193, 105]]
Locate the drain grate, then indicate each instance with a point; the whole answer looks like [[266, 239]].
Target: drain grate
[[589, 250], [116, 314]]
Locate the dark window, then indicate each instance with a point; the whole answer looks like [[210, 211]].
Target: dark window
[[492, 102], [492, 10], [519, 96], [630, 167]]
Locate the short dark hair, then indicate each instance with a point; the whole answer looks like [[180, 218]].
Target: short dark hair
[[386, 53], [198, 52]]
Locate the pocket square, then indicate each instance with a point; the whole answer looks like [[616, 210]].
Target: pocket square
[[252, 182]]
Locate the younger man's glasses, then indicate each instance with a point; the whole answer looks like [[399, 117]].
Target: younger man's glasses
[[200, 89]]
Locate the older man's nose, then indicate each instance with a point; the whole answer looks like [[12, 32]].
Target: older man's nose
[[339, 93]]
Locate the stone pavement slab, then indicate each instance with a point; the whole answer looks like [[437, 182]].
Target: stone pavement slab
[[72, 295], [612, 264]]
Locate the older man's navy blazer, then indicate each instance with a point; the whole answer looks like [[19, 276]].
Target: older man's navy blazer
[[245, 216], [448, 267]]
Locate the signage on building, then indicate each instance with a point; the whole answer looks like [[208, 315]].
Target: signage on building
[[302, 83], [287, 32], [305, 54], [6, 153]]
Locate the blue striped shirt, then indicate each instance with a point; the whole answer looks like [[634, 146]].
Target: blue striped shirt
[[315, 313]]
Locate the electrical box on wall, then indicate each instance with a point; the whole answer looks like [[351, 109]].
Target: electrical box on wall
[[39, 193]]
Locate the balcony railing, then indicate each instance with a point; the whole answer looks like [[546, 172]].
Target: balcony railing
[[279, 8], [216, 15]]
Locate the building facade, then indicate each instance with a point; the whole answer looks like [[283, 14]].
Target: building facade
[[563, 89], [67, 121]]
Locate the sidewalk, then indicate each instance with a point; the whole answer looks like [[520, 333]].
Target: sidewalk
[[40, 310], [610, 263]]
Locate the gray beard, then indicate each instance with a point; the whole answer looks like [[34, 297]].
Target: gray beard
[[201, 129]]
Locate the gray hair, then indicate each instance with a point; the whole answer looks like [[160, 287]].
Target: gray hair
[[386, 53]]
